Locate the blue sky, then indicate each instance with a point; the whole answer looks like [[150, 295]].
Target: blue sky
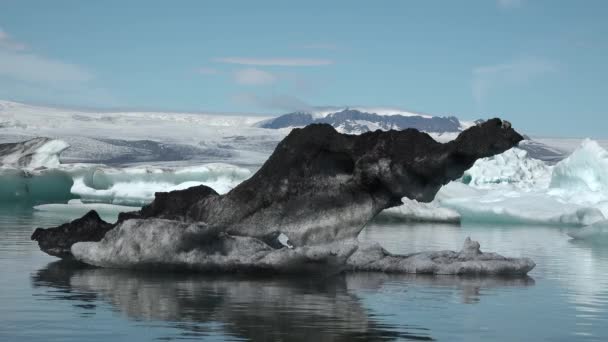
[[539, 63]]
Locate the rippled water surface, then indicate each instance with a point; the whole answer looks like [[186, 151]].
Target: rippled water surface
[[564, 299]]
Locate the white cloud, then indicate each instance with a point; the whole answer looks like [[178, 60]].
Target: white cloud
[[516, 72], [7, 42], [253, 76], [30, 67], [509, 3], [274, 61], [34, 77]]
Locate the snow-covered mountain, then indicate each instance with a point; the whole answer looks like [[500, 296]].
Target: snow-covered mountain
[[357, 121]]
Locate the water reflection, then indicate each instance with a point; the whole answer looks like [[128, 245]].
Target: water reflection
[[257, 309], [470, 288]]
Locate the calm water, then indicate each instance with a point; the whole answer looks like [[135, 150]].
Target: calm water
[[564, 299]]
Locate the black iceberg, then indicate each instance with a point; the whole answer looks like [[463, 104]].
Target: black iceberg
[[317, 190]]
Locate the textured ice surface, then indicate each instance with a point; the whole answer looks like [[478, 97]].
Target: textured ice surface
[[32, 154], [127, 137], [586, 169], [512, 167], [171, 244], [469, 261]]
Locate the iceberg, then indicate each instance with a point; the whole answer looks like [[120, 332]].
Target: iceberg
[[137, 185], [513, 188], [514, 207], [76, 208], [32, 154], [513, 167], [31, 172], [586, 169], [302, 211]]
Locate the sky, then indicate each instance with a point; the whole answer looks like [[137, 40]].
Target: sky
[[538, 63]]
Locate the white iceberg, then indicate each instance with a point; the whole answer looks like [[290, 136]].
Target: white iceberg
[[513, 188], [137, 185], [513, 167]]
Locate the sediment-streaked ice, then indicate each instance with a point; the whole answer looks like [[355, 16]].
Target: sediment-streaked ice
[[157, 243], [32, 154], [173, 244]]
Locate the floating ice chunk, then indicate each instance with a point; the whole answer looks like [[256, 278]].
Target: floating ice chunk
[[469, 261], [172, 244], [137, 186], [284, 240], [43, 186], [76, 208], [585, 169], [515, 207], [595, 232], [513, 167], [414, 211]]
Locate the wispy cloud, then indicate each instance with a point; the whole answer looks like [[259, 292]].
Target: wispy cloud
[[33, 76], [253, 76], [30, 67], [508, 4], [294, 62], [516, 72], [7, 42]]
